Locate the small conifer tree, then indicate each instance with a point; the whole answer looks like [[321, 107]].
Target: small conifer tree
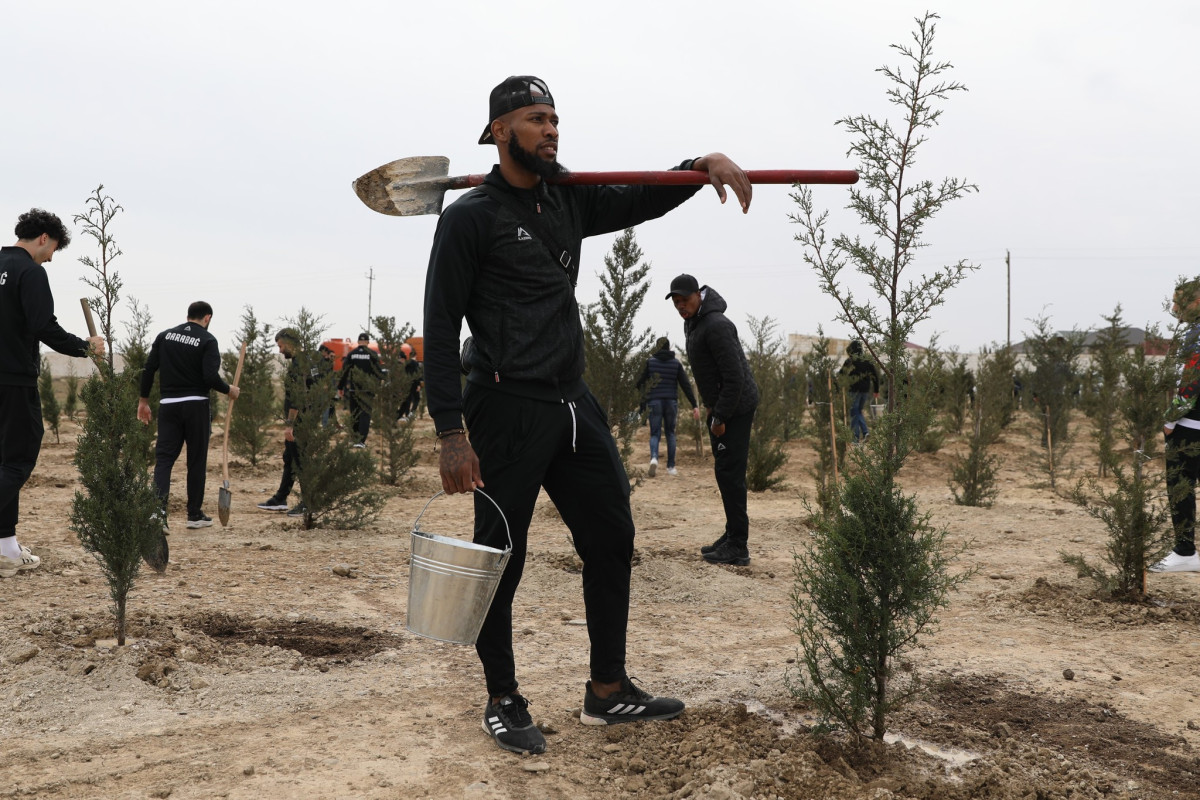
[[337, 481], [973, 475], [1137, 518], [115, 514], [869, 586], [818, 369], [1103, 397], [398, 455], [766, 456], [257, 403], [614, 350], [71, 403], [51, 410], [135, 351], [97, 223]]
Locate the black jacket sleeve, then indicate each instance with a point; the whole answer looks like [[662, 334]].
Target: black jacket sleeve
[[38, 303], [459, 245], [151, 366], [212, 367], [685, 384]]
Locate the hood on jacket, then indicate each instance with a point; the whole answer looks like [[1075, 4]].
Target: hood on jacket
[[712, 301], [666, 354]]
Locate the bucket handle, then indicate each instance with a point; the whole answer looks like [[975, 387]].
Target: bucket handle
[[507, 531]]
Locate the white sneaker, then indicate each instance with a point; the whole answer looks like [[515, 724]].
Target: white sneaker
[[653, 467], [1177, 563], [672, 471], [9, 567]]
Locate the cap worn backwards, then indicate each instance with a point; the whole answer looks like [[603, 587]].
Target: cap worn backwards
[[516, 91]]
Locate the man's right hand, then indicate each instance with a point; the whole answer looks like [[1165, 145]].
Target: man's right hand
[[143, 410], [97, 343], [459, 465]]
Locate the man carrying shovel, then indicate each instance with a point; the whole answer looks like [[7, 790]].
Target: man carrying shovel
[[505, 257], [189, 360], [26, 318]]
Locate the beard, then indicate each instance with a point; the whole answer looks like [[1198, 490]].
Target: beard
[[546, 170]]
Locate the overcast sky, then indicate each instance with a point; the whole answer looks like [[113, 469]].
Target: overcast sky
[[230, 133]]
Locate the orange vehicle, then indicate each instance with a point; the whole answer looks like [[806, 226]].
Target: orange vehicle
[[341, 347]]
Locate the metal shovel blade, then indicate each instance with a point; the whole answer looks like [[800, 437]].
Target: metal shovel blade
[[224, 501], [156, 552], [406, 187]]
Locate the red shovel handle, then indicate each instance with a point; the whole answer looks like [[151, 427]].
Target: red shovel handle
[[683, 177]]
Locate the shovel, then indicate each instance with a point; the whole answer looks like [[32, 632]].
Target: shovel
[[91, 326], [225, 498], [408, 187]]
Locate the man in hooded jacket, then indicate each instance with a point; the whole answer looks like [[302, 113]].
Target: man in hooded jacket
[[730, 396], [665, 376]]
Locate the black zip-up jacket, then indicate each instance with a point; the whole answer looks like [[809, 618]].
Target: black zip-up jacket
[[360, 369], [671, 377], [718, 362], [862, 374], [26, 318], [190, 362], [518, 300]]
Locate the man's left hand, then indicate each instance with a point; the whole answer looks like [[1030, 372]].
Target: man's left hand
[[723, 172]]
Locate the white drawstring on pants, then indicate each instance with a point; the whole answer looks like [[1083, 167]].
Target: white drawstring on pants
[[574, 425]]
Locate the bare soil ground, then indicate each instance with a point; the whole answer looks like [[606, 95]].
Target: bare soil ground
[[273, 662]]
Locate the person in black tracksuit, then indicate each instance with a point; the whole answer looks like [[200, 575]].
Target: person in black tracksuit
[[730, 394], [666, 377], [412, 374], [359, 382], [302, 373], [505, 257], [26, 318], [189, 361]]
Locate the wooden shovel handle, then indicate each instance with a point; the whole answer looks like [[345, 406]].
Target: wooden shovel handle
[[91, 326], [237, 377]]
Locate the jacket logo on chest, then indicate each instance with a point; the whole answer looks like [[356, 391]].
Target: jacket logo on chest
[[523, 235]]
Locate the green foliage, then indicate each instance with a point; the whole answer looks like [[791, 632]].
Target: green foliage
[[337, 481], [1135, 513], [958, 391], [997, 367], [692, 428], [115, 515], [868, 587], [818, 368], [973, 476], [1102, 396], [615, 352], [51, 411], [97, 223], [71, 403], [923, 395], [135, 351], [257, 401], [1138, 527], [768, 362], [395, 435]]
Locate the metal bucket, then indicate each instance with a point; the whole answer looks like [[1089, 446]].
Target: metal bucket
[[451, 583]]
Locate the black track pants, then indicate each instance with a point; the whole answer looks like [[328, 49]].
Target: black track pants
[[179, 423], [524, 445]]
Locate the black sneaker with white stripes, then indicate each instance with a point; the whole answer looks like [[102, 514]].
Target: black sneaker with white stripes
[[627, 704], [509, 723]]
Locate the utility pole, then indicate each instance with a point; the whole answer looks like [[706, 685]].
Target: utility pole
[[1008, 267], [370, 276]]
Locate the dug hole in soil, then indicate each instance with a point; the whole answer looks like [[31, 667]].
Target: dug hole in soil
[[273, 662]]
